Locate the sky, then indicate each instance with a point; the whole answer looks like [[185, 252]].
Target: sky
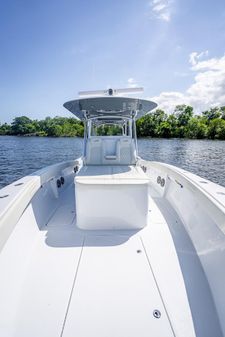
[[51, 49]]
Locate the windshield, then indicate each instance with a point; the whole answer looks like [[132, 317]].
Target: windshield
[[112, 127], [107, 130]]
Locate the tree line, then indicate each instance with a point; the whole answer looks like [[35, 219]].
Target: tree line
[[182, 123], [51, 127]]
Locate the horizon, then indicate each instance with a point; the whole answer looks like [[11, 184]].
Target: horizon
[[51, 50], [220, 109]]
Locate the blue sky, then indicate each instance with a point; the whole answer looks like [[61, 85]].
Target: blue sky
[[50, 50]]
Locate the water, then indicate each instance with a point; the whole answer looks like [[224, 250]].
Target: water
[[20, 156], [205, 158]]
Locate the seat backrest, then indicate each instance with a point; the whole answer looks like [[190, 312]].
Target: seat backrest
[[127, 151], [94, 151], [110, 151]]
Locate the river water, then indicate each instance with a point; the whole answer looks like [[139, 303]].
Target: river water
[[21, 156]]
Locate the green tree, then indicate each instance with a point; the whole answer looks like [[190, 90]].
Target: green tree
[[217, 129], [5, 129], [196, 128], [150, 125], [21, 125], [165, 129], [172, 120], [222, 109], [183, 114], [211, 114], [55, 130], [146, 126]]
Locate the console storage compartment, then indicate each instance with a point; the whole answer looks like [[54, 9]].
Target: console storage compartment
[[111, 197]]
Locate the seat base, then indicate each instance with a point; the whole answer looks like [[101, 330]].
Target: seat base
[[111, 197]]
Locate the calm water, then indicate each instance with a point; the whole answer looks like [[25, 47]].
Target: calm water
[[20, 156]]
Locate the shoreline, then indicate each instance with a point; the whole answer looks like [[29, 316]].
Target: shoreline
[[142, 137]]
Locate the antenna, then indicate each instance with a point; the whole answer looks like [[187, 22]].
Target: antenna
[[110, 92]]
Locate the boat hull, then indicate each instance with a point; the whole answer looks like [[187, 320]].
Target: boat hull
[[53, 271]]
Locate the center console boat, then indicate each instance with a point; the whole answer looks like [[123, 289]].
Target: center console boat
[[110, 244]]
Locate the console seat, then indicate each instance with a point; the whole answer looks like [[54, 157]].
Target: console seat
[[111, 197], [110, 151]]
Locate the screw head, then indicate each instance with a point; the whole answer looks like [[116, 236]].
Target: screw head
[[162, 182], [156, 313]]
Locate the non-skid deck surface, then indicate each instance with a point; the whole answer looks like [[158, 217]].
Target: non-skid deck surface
[[115, 293], [62, 281], [84, 286]]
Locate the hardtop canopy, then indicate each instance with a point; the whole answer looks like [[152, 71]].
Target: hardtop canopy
[[86, 108]]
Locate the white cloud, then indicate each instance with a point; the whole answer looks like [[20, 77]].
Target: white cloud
[[168, 100], [132, 83], [194, 57], [161, 9], [207, 90]]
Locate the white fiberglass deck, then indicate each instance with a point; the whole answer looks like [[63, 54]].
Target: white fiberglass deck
[[110, 245], [72, 282]]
